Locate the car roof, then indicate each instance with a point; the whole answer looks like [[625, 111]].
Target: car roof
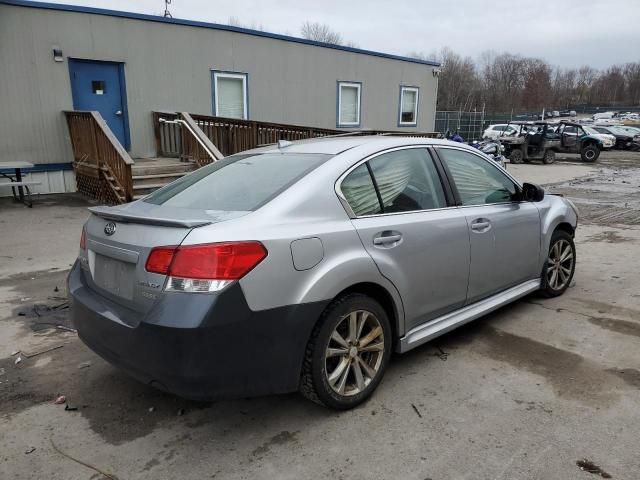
[[335, 145]]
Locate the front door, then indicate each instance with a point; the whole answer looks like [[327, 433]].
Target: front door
[[569, 135], [99, 86], [416, 239], [504, 232]]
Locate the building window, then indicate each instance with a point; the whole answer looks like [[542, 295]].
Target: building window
[[230, 95], [349, 94], [408, 116]]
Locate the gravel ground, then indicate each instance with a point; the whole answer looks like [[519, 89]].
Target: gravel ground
[[528, 392]]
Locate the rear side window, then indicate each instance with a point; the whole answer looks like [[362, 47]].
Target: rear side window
[[359, 191], [403, 181], [478, 182], [407, 180], [237, 183]]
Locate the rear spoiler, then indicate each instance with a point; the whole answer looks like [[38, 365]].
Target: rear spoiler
[[109, 214]]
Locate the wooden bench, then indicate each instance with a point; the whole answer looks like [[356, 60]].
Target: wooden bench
[[21, 184]]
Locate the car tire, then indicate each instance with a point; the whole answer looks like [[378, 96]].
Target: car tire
[[516, 156], [558, 272], [340, 370], [590, 153], [549, 157]]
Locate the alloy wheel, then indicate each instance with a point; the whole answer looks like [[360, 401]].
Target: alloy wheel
[[560, 264], [354, 353]]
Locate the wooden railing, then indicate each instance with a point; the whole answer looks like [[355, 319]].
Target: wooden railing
[[167, 134], [229, 135], [101, 164]]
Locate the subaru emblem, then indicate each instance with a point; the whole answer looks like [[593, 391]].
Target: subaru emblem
[[110, 228]]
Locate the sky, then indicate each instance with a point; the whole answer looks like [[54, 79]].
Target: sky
[[567, 33]]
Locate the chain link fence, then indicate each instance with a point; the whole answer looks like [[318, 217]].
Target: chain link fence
[[470, 125]]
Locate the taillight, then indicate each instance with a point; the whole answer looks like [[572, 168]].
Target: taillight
[[83, 239], [159, 260], [205, 268]]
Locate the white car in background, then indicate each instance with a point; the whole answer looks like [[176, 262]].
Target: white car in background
[[608, 140], [501, 129], [604, 115]]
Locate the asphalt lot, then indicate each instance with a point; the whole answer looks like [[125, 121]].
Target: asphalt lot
[[523, 393]]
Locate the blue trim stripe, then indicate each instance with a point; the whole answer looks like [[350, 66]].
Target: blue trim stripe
[[214, 26], [40, 167]]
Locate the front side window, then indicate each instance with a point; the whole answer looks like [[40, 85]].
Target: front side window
[[478, 182], [349, 94], [237, 183], [408, 106], [230, 95]]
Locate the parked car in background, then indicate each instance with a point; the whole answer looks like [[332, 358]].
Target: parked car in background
[[604, 115], [632, 130], [623, 137], [303, 266], [498, 130]]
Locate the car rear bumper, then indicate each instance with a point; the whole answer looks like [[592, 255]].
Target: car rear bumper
[[199, 346]]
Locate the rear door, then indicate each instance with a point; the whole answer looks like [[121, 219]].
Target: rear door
[[418, 240], [504, 232]]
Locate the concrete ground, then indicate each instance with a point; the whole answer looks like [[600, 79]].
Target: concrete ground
[[523, 393]]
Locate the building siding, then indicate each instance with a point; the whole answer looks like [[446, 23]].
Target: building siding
[[168, 67]]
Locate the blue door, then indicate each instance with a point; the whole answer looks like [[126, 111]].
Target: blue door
[[100, 86]]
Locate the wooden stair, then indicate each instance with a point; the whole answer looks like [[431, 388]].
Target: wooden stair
[[149, 174], [113, 183]]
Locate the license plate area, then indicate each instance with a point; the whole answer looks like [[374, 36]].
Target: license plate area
[[114, 276]]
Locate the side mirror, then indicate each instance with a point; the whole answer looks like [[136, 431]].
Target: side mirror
[[532, 192]]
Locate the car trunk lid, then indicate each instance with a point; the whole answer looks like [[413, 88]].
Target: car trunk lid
[[118, 243]]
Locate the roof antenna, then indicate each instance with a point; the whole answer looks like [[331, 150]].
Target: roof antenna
[[284, 143], [167, 13]]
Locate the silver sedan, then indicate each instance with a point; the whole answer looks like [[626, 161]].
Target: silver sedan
[[302, 266]]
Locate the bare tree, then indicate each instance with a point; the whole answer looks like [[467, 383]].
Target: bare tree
[[506, 82], [236, 22], [320, 32]]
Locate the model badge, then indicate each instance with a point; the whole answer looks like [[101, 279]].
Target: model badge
[[110, 228]]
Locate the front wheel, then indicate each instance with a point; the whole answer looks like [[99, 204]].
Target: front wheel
[[590, 153], [347, 353], [560, 265]]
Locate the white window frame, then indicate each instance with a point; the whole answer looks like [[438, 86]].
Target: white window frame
[[339, 122], [242, 76], [405, 88]]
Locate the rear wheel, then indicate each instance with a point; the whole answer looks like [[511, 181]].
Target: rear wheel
[[516, 156], [590, 153], [560, 265], [549, 157], [347, 354]]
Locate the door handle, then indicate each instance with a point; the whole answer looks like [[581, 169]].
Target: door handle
[[389, 238], [480, 225], [119, 112]]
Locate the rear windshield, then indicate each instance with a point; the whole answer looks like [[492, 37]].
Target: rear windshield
[[237, 183]]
